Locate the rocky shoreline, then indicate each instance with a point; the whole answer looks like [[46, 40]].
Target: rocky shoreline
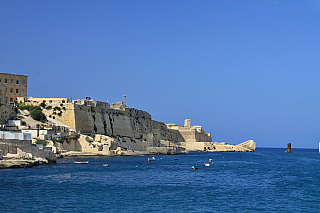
[[17, 154], [22, 163], [23, 154]]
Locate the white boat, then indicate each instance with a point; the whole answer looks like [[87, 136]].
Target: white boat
[[206, 164], [81, 162], [106, 165], [151, 159]]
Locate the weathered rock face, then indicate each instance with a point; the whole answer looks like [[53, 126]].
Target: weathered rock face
[[162, 132], [16, 163], [121, 121], [131, 129], [108, 146], [88, 119]]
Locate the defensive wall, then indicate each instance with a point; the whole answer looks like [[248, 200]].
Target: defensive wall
[[100, 120], [131, 127], [94, 117]]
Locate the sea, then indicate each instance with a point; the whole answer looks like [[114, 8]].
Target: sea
[[268, 180]]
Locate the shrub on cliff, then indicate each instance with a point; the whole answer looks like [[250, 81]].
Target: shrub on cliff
[[38, 115], [29, 107], [43, 104], [23, 107], [57, 108]]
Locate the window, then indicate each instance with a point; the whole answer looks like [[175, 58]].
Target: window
[[11, 90], [0, 79], [22, 81], [11, 81], [17, 90], [17, 81], [22, 91], [5, 80], [11, 99]]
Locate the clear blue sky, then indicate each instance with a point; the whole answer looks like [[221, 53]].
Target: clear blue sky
[[242, 69]]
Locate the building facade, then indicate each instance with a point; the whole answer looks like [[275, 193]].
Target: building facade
[[16, 86], [36, 101], [2, 93]]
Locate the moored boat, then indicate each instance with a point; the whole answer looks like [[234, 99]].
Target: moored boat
[[81, 162], [151, 159], [207, 164]]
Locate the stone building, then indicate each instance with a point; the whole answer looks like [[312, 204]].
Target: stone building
[[2, 93], [16, 86], [37, 101], [92, 102], [191, 133]]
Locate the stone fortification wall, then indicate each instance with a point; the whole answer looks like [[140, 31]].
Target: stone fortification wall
[[202, 136], [63, 112], [198, 146], [88, 119], [191, 133], [161, 132], [119, 120], [166, 150]]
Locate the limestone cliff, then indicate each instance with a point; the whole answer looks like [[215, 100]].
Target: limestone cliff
[[99, 120], [130, 127], [108, 146]]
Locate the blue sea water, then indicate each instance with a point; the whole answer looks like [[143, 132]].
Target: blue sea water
[[268, 180]]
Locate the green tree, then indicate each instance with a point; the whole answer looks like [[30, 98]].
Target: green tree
[[43, 104], [38, 115]]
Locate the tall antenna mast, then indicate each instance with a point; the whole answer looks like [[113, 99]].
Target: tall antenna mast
[[125, 100]]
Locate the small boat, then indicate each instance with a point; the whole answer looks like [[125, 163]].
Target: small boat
[[105, 165], [193, 167], [81, 162], [175, 158], [151, 159], [210, 160], [207, 164]]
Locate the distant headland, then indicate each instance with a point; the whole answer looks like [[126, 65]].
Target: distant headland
[[36, 130]]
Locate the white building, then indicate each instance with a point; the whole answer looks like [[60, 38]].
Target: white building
[[15, 135]]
